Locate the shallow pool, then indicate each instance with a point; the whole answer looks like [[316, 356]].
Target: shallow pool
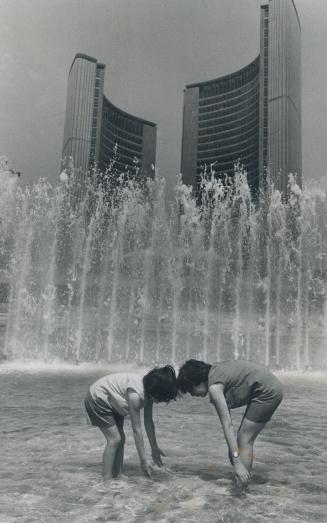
[[51, 460]]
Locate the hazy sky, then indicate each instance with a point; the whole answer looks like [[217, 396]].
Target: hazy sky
[[151, 49]]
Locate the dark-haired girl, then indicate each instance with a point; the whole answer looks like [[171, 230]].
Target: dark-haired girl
[[115, 396], [232, 384]]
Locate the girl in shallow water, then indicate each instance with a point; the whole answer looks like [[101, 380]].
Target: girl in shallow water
[[232, 384], [115, 396]]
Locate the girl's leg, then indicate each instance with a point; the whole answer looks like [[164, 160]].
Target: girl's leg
[[112, 436], [246, 435], [119, 459]]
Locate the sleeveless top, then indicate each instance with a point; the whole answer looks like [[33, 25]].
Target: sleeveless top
[[112, 389], [242, 379]]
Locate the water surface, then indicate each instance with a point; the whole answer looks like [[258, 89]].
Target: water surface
[[51, 460]]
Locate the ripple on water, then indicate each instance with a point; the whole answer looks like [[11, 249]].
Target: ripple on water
[[56, 474]]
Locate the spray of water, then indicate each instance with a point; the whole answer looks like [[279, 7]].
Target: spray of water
[[107, 272]]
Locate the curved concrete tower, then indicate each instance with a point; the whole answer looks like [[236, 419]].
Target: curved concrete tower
[[96, 131], [252, 115]]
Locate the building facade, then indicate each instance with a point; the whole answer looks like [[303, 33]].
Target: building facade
[[98, 133], [252, 116]]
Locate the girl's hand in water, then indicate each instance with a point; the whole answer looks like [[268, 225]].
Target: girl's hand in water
[[156, 456], [242, 476], [147, 469]]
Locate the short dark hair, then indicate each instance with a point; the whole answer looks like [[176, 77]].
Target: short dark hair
[[192, 373], [161, 384]]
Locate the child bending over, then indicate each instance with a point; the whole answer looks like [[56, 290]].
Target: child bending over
[[113, 397], [232, 384]]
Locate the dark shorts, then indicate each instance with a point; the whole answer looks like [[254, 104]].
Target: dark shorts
[[265, 399], [101, 414]]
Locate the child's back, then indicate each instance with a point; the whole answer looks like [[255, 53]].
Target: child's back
[[112, 389], [242, 381]]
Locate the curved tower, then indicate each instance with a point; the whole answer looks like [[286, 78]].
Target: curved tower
[[97, 132], [252, 116], [221, 119], [131, 139], [83, 111]]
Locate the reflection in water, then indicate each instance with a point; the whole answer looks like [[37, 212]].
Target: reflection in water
[[113, 275], [51, 461]]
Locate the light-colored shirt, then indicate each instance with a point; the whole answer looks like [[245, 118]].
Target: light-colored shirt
[[112, 389]]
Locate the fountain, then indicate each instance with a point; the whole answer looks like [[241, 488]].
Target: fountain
[[114, 276]]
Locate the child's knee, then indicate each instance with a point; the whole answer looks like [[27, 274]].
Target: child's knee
[[244, 438], [122, 438], [113, 442]]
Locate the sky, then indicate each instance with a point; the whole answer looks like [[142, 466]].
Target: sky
[[152, 49]]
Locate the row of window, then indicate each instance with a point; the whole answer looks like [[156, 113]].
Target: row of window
[[229, 142], [106, 160], [234, 81], [117, 167], [226, 157], [228, 129], [217, 162], [230, 120], [119, 133], [250, 165], [235, 109], [111, 138], [245, 97], [121, 121], [246, 128], [229, 95], [109, 146]]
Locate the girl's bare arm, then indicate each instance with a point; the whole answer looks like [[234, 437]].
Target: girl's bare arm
[[217, 397], [216, 393], [151, 433], [134, 404]]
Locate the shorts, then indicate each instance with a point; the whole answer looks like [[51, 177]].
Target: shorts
[[101, 414], [265, 399]]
